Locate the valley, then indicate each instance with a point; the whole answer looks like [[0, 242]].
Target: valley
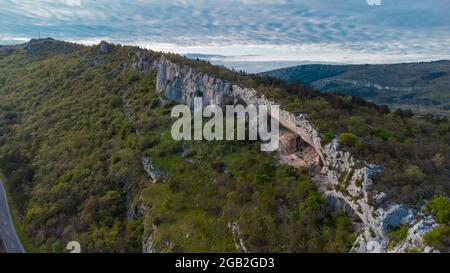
[[420, 87]]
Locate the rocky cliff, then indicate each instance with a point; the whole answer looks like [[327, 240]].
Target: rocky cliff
[[347, 180]]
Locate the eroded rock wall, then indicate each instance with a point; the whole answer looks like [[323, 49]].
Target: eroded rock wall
[[348, 180]]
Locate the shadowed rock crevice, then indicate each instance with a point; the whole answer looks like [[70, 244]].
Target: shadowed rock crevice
[[296, 152]]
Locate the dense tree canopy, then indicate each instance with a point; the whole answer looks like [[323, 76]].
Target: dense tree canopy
[[75, 124]]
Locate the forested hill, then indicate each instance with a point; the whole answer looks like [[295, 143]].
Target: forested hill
[[79, 124], [423, 87]]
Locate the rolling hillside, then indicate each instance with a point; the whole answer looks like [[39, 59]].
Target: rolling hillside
[[85, 143], [422, 87]]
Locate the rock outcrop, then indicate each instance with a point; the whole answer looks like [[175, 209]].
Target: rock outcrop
[[141, 61], [348, 179], [182, 84], [138, 210], [105, 48], [149, 244], [153, 174], [414, 239], [237, 238]]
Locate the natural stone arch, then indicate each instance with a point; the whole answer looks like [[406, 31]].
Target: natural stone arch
[[295, 151]]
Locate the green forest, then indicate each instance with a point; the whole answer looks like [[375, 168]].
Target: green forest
[[71, 152], [76, 121]]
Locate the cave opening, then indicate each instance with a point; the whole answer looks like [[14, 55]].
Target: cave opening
[[296, 152]]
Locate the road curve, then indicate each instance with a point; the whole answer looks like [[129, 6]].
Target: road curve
[[11, 241]]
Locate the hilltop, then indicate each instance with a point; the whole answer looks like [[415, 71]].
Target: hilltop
[[85, 142]]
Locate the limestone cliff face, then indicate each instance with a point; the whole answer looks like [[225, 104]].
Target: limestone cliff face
[[182, 84], [348, 180]]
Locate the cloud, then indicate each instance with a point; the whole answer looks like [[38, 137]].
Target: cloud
[[284, 27], [73, 2]]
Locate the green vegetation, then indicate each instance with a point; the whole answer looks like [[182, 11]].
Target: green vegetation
[[74, 128], [209, 184], [440, 205], [397, 235], [414, 251], [413, 151], [75, 123], [414, 173], [29, 248], [59, 132], [439, 237], [422, 87], [348, 139]]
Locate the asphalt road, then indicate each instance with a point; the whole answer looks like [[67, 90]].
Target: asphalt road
[[11, 241]]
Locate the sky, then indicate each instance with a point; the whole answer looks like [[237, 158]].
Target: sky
[[265, 33]]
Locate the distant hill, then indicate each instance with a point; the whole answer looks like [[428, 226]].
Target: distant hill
[[422, 87]]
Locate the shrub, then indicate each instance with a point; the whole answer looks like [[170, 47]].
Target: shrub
[[441, 206], [155, 103], [414, 250], [382, 134], [313, 203], [116, 159], [327, 138], [397, 234], [115, 102], [439, 238], [175, 148], [153, 122], [148, 142], [404, 113], [263, 178], [414, 172], [348, 139]]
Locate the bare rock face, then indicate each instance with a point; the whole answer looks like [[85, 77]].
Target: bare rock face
[[414, 239], [396, 215], [182, 84], [153, 174], [138, 210], [237, 238], [104, 47], [149, 243], [141, 61], [347, 179]]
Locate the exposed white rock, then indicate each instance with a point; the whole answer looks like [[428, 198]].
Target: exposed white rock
[[380, 197], [429, 249], [349, 180], [139, 209], [141, 61], [395, 215], [148, 241], [148, 245], [237, 237], [153, 174], [414, 239], [182, 84]]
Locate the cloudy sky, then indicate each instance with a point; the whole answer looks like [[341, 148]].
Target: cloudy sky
[[277, 31]]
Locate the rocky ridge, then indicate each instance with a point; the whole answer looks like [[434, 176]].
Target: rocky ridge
[[349, 180]]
